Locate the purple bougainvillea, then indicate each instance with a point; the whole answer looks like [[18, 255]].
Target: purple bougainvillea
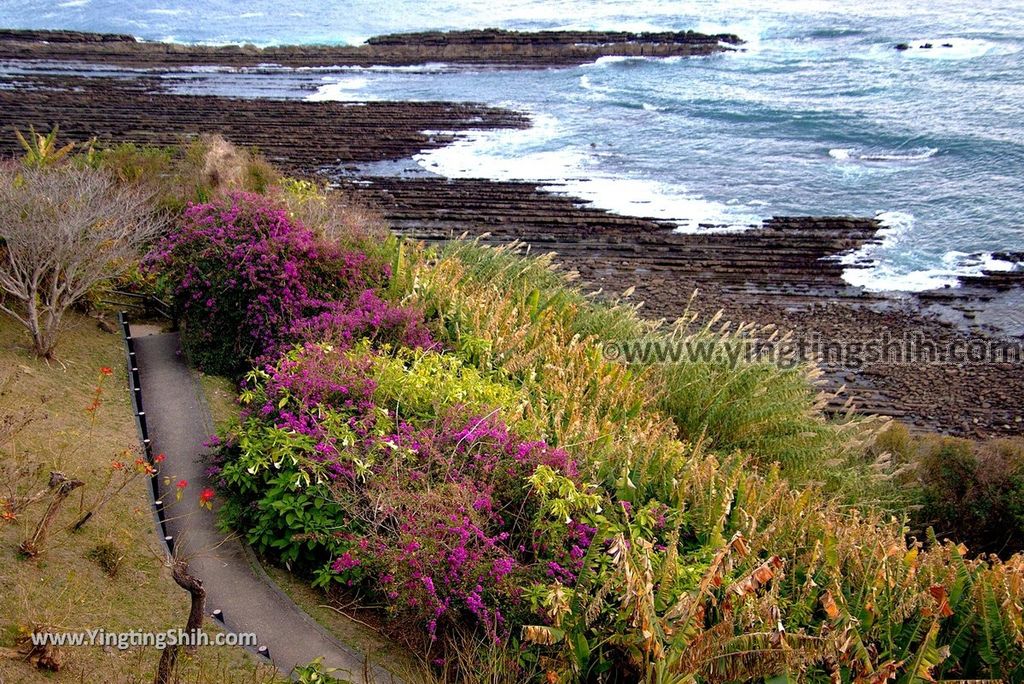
[[247, 280], [439, 518]]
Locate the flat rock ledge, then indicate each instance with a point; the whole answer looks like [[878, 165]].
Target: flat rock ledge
[[491, 47]]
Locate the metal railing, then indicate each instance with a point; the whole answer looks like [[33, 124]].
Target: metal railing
[[142, 426], [149, 306]]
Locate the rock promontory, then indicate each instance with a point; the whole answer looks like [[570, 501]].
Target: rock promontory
[[488, 47]]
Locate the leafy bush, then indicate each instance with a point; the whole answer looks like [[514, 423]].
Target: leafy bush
[[770, 411], [246, 279], [974, 492], [520, 484], [394, 475]]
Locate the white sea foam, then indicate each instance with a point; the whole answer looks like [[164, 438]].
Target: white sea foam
[[341, 89], [607, 61], [527, 155], [857, 154], [877, 276], [750, 31], [74, 3], [599, 90], [916, 154], [886, 278], [207, 69]]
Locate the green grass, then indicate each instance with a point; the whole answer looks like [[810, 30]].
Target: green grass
[[221, 397], [768, 410]]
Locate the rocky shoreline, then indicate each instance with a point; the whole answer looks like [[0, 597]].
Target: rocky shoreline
[[494, 47], [298, 136], [785, 272]]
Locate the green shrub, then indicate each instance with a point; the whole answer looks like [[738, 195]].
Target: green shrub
[[615, 549], [974, 493], [895, 440], [771, 411]]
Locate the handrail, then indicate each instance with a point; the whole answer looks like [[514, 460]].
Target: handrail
[[135, 385], [147, 303]]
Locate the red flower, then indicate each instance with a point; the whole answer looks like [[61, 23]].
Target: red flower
[[117, 465], [206, 496], [182, 484], [159, 458], [106, 370]]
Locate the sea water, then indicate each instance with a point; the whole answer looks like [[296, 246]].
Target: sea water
[[817, 113]]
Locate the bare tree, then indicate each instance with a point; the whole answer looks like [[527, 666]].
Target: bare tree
[[61, 486], [63, 231], [194, 586]]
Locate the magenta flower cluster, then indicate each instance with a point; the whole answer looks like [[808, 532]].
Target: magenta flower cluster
[[367, 316], [448, 528], [432, 514], [247, 281]]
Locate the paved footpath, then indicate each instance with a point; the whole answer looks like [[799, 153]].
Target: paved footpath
[[179, 422]]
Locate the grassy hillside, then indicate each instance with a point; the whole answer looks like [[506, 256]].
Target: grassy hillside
[[70, 586], [452, 440]]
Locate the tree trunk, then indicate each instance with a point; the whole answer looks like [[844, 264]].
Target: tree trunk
[[62, 487], [194, 586]]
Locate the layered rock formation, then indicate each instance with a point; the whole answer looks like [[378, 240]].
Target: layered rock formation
[[494, 47], [784, 272], [298, 136]]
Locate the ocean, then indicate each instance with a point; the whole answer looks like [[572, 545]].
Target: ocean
[[817, 114]]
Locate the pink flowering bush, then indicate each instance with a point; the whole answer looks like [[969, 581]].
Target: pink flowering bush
[[367, 316], [247, 281], [434, 513]]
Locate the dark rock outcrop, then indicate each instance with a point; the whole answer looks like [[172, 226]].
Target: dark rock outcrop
[[493, 47], [298, 136]]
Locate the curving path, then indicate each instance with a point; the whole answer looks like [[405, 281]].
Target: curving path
[[179, 422]]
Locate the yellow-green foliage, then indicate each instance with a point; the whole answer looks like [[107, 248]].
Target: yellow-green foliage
[[335, 216], [508, 312], [420, 383], [758, 579], [770, 582], [600, 411], [709, 564], [42, 150], [194, 171]]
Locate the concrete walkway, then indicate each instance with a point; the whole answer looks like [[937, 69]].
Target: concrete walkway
[[179, 422]]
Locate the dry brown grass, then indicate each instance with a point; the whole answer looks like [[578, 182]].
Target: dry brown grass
[[226, 167], [333, 213], [64, 589]]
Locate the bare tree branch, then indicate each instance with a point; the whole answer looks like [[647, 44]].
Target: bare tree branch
[[63, 232]]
